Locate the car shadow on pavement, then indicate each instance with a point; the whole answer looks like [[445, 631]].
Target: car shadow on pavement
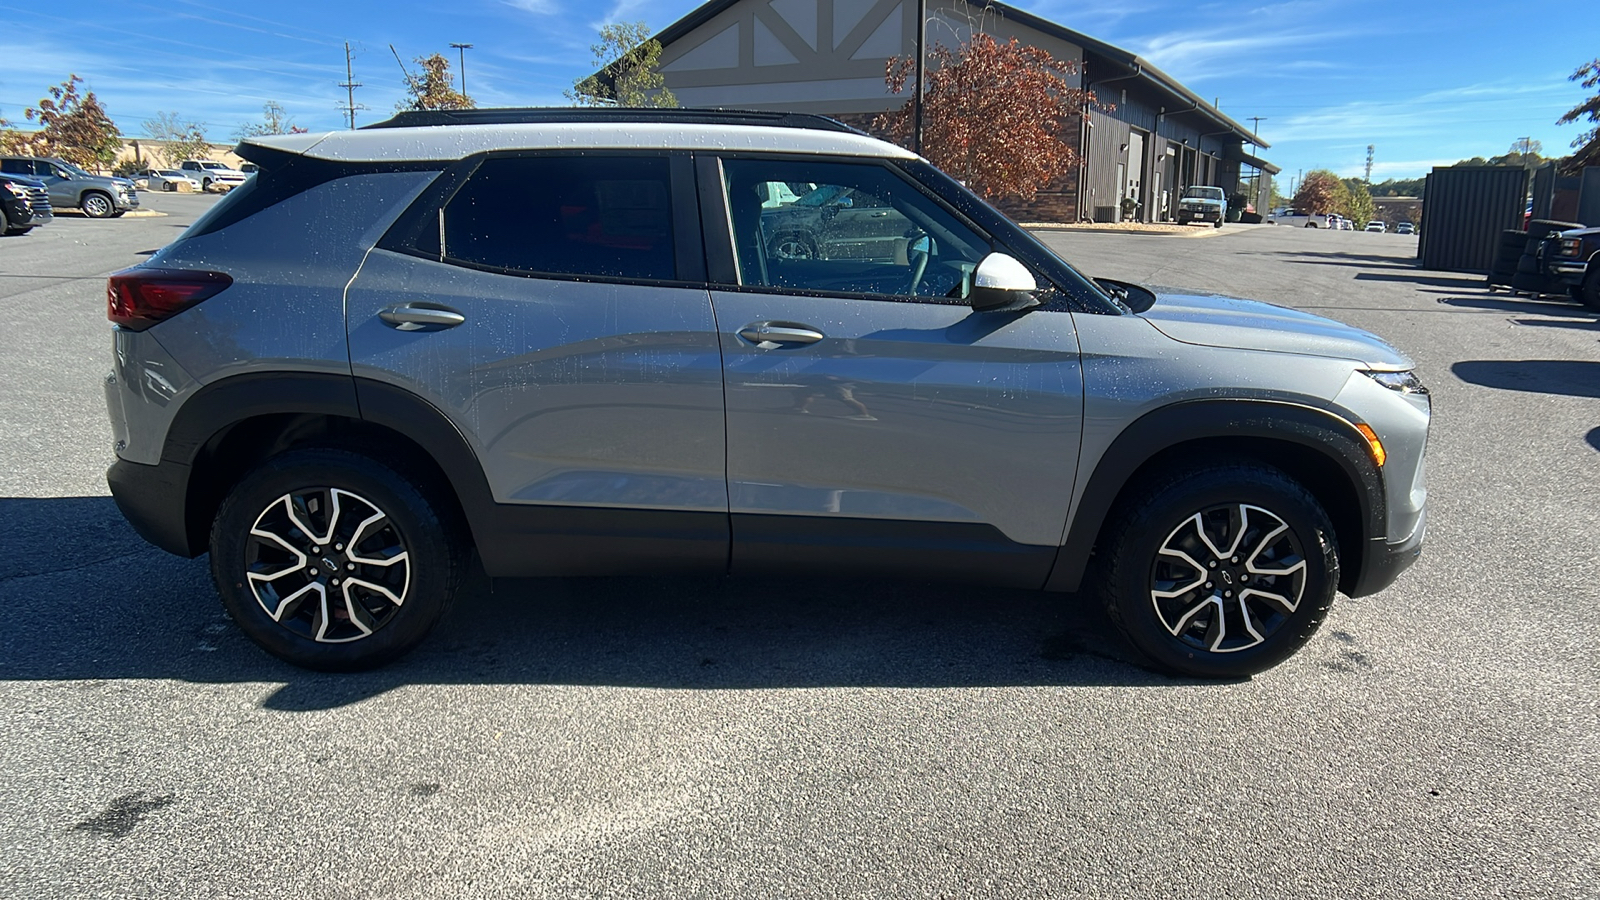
[[1593, 438], [82, 597], [1574, 378]]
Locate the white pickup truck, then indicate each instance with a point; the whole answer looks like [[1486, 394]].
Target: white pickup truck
[[1299, 219]]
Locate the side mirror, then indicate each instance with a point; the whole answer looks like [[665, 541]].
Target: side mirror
[[1002, 284]]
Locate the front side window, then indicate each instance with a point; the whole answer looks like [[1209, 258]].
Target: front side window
[[599, 216], [845, 228]]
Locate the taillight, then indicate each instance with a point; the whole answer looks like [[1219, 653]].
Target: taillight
[[138, 298]]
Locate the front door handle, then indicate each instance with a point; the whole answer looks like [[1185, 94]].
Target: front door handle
[[778, 333], [421, 317]]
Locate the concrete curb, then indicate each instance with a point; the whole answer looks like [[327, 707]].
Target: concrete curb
[[1161, 230]]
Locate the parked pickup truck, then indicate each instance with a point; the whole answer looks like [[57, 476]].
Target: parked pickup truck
[[1301, 219], [1203, 204], [1574, 258]]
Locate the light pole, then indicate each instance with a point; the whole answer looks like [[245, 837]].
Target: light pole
[[916, 95], [463, 48]]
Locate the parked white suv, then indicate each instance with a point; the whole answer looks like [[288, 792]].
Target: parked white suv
[[1376, 226], [1300, 219], [212, 173]]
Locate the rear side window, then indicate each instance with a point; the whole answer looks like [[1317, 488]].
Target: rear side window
[[601, 216]]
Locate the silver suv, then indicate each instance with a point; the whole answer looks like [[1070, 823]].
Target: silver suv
[[564, 339]]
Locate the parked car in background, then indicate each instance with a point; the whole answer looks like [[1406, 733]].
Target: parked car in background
[[468, 335], [1203, 204], [1298, 219], [1574, 258], [1376, 226], [24, 204], [213, 174], [169, 180], [249, 168], [1405, 228], [99, 196]]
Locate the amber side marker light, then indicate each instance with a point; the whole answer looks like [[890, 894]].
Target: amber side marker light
[[1374, 446]]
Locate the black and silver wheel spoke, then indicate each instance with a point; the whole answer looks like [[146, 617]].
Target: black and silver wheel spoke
[[1228, 577], [327, 564]]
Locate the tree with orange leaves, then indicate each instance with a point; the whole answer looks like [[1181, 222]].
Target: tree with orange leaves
[[993, 114]]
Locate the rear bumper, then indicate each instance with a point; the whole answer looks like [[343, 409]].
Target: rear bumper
[[1385, 561], [154, 501]]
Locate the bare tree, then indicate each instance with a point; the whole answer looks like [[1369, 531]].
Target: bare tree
[[183, 139]]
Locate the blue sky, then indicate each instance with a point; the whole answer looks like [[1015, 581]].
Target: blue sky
[[1425, 82]]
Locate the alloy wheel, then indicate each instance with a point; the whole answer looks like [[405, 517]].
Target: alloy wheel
[[1228, 577], [327, 564], [96, 206]]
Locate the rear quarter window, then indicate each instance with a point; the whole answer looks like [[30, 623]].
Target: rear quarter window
[[601, 217]]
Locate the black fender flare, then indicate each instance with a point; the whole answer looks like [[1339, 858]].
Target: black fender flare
[[1160, 430]]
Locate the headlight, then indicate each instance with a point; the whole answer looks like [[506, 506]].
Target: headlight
[[1401, 382], [1570, 246], [17, 189]]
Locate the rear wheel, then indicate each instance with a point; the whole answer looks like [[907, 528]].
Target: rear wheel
[[331, 560], [1220, 572]]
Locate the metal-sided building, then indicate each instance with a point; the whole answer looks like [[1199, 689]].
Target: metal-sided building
[[1150, 138]]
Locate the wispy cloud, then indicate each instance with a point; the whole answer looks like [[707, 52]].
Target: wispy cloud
[[538, 7]]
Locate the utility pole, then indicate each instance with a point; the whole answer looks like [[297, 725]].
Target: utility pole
[[350, 84], [1255, 125], [916, 95], [1368, 179], [463, 48]]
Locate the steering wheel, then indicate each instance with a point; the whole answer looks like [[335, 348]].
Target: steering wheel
[[917, 255]]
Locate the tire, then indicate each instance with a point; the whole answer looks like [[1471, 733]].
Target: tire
[[1311, 224], [1589, 292], [1528, 264], [1512, 238], [1540, 228], [205, 185], [1528, 282], [792, 246], [97, 205], [1239, 503], [1218, 224], [168, 186], [256, 545]]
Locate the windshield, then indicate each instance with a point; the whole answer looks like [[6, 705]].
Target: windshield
[[74, 169], [212, 165], [1203, 193]]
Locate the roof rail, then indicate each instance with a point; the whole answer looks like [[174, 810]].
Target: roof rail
[[543, 115]]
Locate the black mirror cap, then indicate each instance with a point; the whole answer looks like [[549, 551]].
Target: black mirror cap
[[987, 299]]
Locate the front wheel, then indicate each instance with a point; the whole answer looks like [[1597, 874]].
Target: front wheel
[[96, 205], [1217, 224], [1220, 572], [1589, 292], [332, 560]]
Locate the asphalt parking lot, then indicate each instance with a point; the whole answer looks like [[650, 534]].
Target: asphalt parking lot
[[709, 738]]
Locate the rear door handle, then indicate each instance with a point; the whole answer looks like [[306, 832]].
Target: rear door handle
[[778, 333], [421, 317]]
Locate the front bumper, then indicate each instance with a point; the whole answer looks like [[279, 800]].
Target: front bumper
[[1570, 271], [126, 201], [1385, 561]]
